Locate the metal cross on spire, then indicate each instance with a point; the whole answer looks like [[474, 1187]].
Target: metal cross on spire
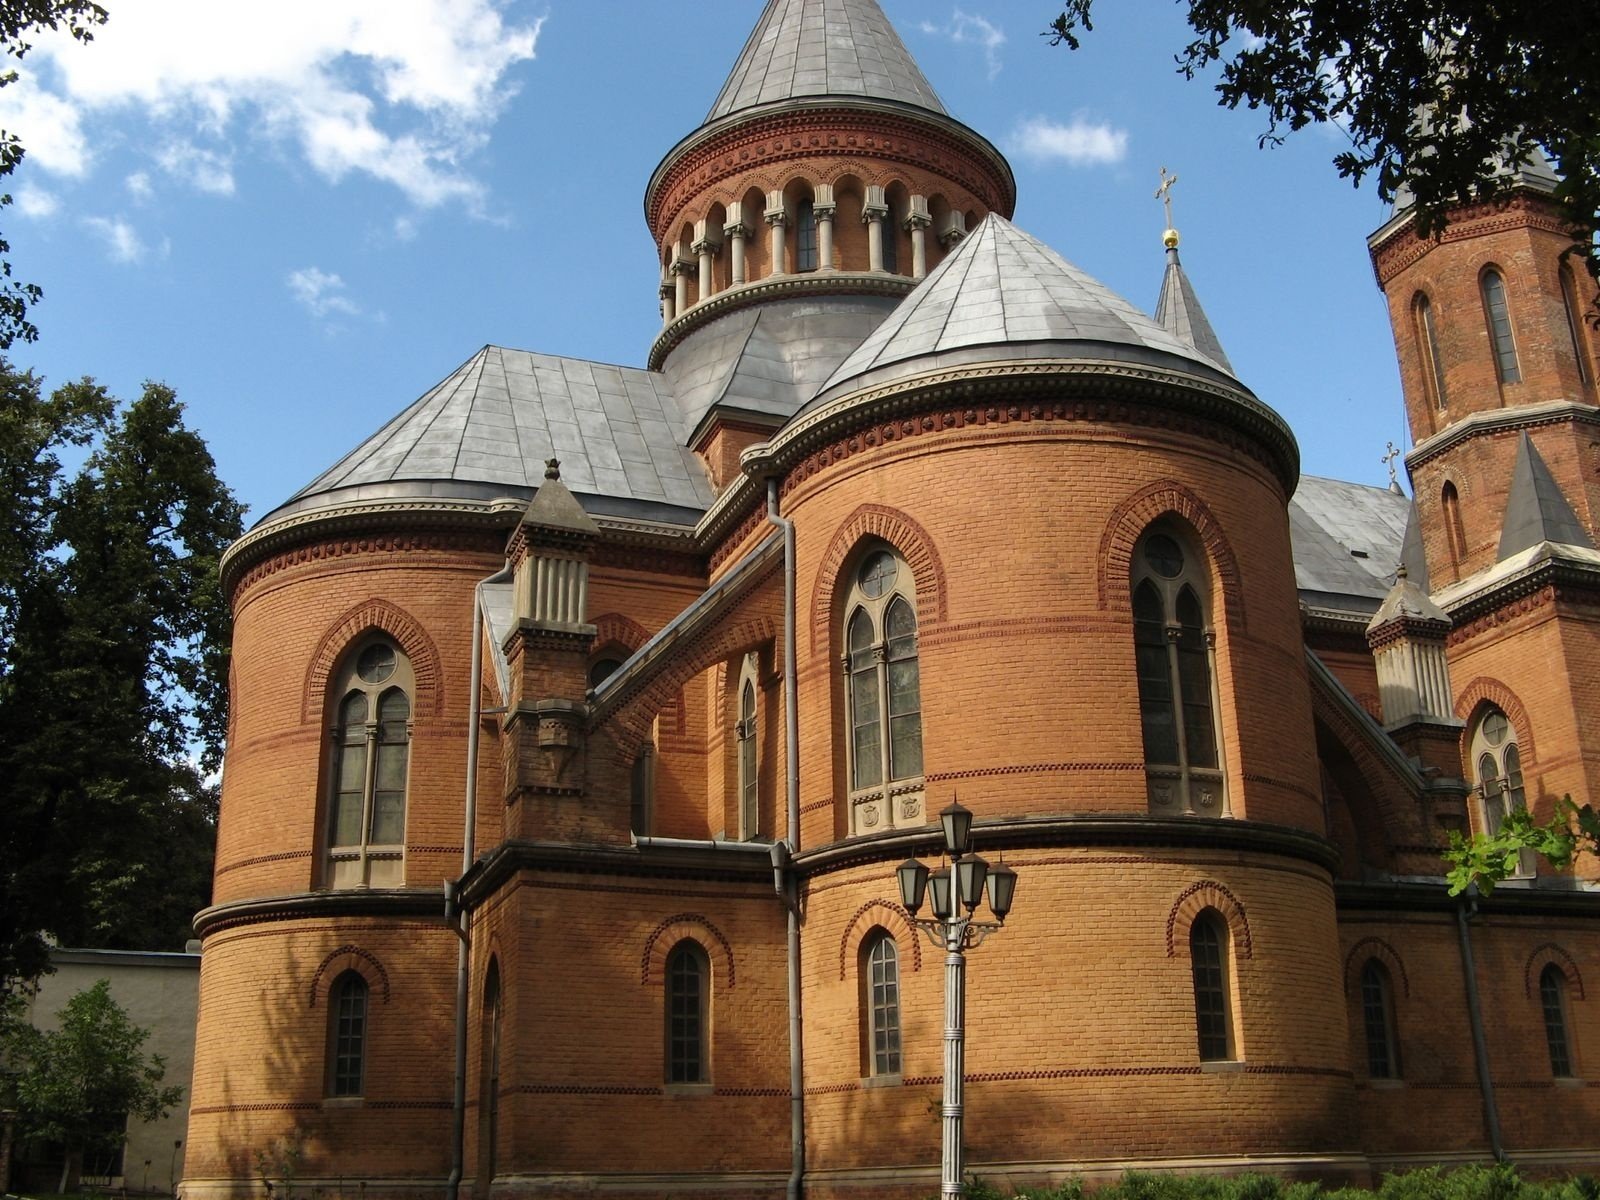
[[1164, 194], [1388, 461]]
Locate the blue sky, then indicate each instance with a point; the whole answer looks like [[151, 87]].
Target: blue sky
[[303, 215]]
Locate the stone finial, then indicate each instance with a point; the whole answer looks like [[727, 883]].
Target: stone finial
[[552, 468]]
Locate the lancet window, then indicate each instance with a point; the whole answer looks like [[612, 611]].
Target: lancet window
[[371, 747], [1497, 764], [1498, 314]]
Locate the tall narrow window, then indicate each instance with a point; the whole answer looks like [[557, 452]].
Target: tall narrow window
[[880, 1004], [1498, 765], [489, 1087], [1208, 958], [371, 740], [1377, 1012], [1553, 998], [1499, 318], [891, 238], [347, 1007], [884, 692], [1569, 297], [746, 729], [805, 235], [1173, 658], [1428, 349], [1455, 533], [688, 1006]]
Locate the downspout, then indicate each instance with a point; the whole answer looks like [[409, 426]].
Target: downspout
[[469, 851], [1466, 907], [791, 737]]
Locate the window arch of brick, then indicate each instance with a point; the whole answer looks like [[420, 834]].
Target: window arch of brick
[[373, 616], [1134, 516], [349, 958], [877, 522], [614, 629], [1541, 958], [665, 937], [1381, 950], [1195, 899], [1484, 692], [879, 914]]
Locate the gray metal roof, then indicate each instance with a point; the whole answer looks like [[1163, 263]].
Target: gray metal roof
[[1178, 311], [1003, 287], [1536, 511], [823, 48], [502, 413], [1347, 539]]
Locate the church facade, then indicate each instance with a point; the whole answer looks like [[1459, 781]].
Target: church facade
[[581, 716]]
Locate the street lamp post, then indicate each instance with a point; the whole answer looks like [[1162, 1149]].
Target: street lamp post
[[962, 887]]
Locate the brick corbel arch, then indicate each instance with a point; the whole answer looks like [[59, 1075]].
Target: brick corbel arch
[[356, 622], [614, 629], [1542, 957], [1129, 520], [696, 928], [893, 918], [349, 958], [1486, 690], [1374, 947], [899, 530], [1208, 893]]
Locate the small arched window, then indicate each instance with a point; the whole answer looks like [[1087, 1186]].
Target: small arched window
[[347, 1009], [880, 1004], [1553, 999], [1497, 764], [805, 235], [1208, 958], [1377, 1012], [1428, 350], [1569, 298], [1174, 652], [1498, 314], [1454, 531], [746, 735], [688, 1010], [891, 236], [489, 1078], [371, 747], [884, 693], [602, 669]]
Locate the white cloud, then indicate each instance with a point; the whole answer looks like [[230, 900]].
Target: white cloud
[[967, 29], [37, 203], [321, 292], [138, 185], [402, 92], [121, 239], [1080, 142]]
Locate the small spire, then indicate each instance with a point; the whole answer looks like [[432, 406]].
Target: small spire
[[1536, 510], [1178, 309]]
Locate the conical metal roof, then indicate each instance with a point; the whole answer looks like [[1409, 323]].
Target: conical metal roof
[[1003, 287], [803, 48], [1178, 311], [1536, 511]]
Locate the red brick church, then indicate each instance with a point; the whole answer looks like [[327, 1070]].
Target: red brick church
[[582, 714]]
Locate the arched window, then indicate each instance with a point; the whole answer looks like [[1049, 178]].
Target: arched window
[[602, 669], [371, 745], [347, 1009], [1174, 655], [1208, 958], [884, 694], [1497, 764], [1428, 350], [1553, 999], [1498, 315], [805, 235], [688, 1014], [880, 1004], [489, 1079], [745, 731], [1377, 1012], [1455, 533], [891, 237], [1569, 297]]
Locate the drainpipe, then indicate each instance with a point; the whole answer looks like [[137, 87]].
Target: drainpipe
[[1467, 907], [469, 851], [791, 688]]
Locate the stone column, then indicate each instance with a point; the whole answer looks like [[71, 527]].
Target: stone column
[[780, 251], [736, 231], [823, 208], [705, 246], [682, 267], [917, 221], [669, 310], [873, 213]]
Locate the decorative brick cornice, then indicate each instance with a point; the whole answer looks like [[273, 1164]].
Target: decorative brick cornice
[[1397, 245], [1500, 421], [424, 907], [1417, 628]]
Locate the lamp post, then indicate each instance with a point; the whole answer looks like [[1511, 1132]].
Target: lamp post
[[962, 887]]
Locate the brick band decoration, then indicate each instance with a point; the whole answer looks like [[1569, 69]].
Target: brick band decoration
[[370, 615], [1374, 947], [902, 532], [350, 958], [1542, 957], [1129, 520], [1208, 893], [694, 926], [893, 918]]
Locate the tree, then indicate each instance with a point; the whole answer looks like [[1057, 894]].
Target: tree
[[113, 670], [1486, 859], [1437, 97], [81, 1083], [20, 22]]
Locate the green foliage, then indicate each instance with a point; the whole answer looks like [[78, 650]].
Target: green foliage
[[1499, 83], [71, 1083], [1497, 1182], [113, 670], [1485, 859]]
